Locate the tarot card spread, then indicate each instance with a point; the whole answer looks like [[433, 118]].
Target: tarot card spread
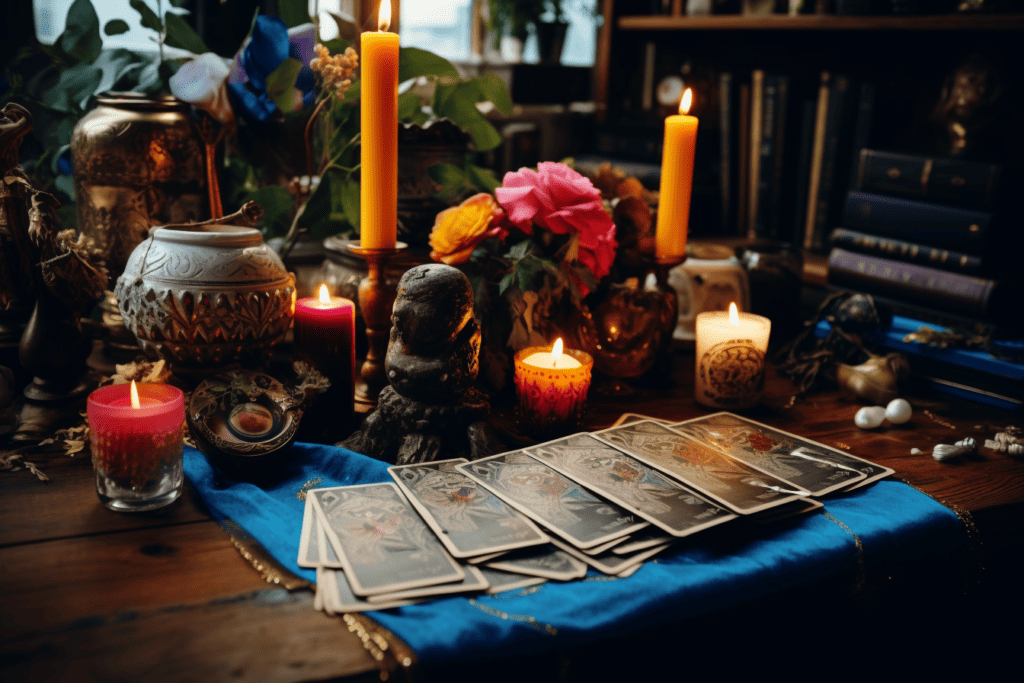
[[730, 482], [547, 497], [467, 518], [382, 543], [545, 561], [631, 484], [805, 463]]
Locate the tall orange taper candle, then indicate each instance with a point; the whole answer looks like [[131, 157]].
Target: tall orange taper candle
[[379, 120], [676, 182]]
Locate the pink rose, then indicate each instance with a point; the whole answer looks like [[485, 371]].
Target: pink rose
[[561, 200]]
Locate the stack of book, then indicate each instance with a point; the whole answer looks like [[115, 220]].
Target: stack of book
[[921, 233]]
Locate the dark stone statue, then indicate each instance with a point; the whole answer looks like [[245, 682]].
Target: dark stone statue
[[431, 410]]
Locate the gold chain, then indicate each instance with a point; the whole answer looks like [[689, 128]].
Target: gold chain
[[301, 495], [387, 650], [521, 618]]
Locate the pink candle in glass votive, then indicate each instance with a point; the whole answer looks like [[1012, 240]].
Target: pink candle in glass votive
[[552, 388], [136, 441], [325, 338]]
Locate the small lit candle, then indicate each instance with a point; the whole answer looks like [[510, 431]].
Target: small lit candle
[[135, 434], [731, 349], [378, 93], [552, 386], [325, 338], [676, 182]]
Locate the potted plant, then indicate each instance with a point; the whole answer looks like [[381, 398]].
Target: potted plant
[[517, 17]]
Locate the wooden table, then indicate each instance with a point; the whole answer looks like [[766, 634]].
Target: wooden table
[[87, 594]]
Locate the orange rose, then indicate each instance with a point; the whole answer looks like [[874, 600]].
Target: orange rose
[[458, 230]]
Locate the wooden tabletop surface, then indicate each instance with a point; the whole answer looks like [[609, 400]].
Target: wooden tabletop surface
[[88, 594]]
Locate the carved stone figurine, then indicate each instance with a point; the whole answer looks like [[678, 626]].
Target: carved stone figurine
[[431, 410]]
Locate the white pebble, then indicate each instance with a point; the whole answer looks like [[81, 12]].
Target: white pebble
[[870, 417], [898, 411], [915, 451]]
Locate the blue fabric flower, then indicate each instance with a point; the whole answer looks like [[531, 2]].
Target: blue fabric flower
[[270, 43]]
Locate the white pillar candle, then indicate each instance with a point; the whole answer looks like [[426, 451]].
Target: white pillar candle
[[731, 349]]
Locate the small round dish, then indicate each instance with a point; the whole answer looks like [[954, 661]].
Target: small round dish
[[245, 422]]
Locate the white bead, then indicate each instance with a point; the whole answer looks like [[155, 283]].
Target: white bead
[[869, 418], [898, 411]]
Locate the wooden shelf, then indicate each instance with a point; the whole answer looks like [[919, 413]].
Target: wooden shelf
[[825, 22]]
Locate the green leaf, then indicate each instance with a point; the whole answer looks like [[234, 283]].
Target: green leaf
[[493, 89], [81, 38], [293, 12], [517, 252], [66, 184], [114, 65], [458, 103], [409, 105], [116, 27], [281, 85], [448, 175], [482, 178], [149, 77], [414, 62], [507, 281], [180, 34], [318, 206], [149, 18], [276, 203], [76, 86], [347, 27], [349, 194]]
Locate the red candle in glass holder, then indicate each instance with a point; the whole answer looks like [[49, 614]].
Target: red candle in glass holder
[[136, 441], [325, 338], [552, 388]]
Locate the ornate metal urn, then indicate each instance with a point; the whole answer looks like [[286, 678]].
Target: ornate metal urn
[[206, 296]]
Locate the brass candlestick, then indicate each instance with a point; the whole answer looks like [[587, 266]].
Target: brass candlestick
[[376, 299], [662, 265]]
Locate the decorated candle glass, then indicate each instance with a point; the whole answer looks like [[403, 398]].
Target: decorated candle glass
[[731, 347], [137, 445], [552, 388]]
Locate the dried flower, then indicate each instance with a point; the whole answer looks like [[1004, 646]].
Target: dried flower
[[335, 70], [458, 230]]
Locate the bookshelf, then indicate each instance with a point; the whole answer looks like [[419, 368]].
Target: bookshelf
[[824, 22]]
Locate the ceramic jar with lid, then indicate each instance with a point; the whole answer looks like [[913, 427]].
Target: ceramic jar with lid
[[206, 296]]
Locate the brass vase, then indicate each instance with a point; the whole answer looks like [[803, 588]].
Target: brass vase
[[139, 162]]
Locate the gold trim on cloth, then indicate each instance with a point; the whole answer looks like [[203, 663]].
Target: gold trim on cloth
[[390, 653], [522, 618], [262, 561], [861, 579]]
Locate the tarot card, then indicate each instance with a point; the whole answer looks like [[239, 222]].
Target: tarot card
[[794, 509], [598, 549], [648, 538], [473, 583], [545, 561], [629, 418], [382, 543], [309, 551], [328, 555], [504, 581], [788, 457], [610, 563], [553, 500], [341, 598], [480, 559], [629, 571], [467, 518], [735, 484], [318, 596], [628, 482]]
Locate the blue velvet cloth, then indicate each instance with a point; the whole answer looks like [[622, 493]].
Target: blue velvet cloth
[[735, 563]]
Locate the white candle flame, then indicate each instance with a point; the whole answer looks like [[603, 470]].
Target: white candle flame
[[684, 104], [556, 352], [384, 15], [135, 397], [734, 316], [325, 296]]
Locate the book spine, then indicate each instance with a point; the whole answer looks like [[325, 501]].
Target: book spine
[[862, 126], [725, 113], [953, 181], [781, 190], [936, 225], [946, 259], [763, 222], [756, 120], [803, 169], [743, 161], [918, 284], [817, 159], [840, 97]]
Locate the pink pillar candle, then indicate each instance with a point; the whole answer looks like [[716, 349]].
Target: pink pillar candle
[[325, 338]]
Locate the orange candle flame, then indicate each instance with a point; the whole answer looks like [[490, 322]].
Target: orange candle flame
[[135, 397], [734, 316], [684, 104], [325, 296], [556, 352], [384, 15]]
